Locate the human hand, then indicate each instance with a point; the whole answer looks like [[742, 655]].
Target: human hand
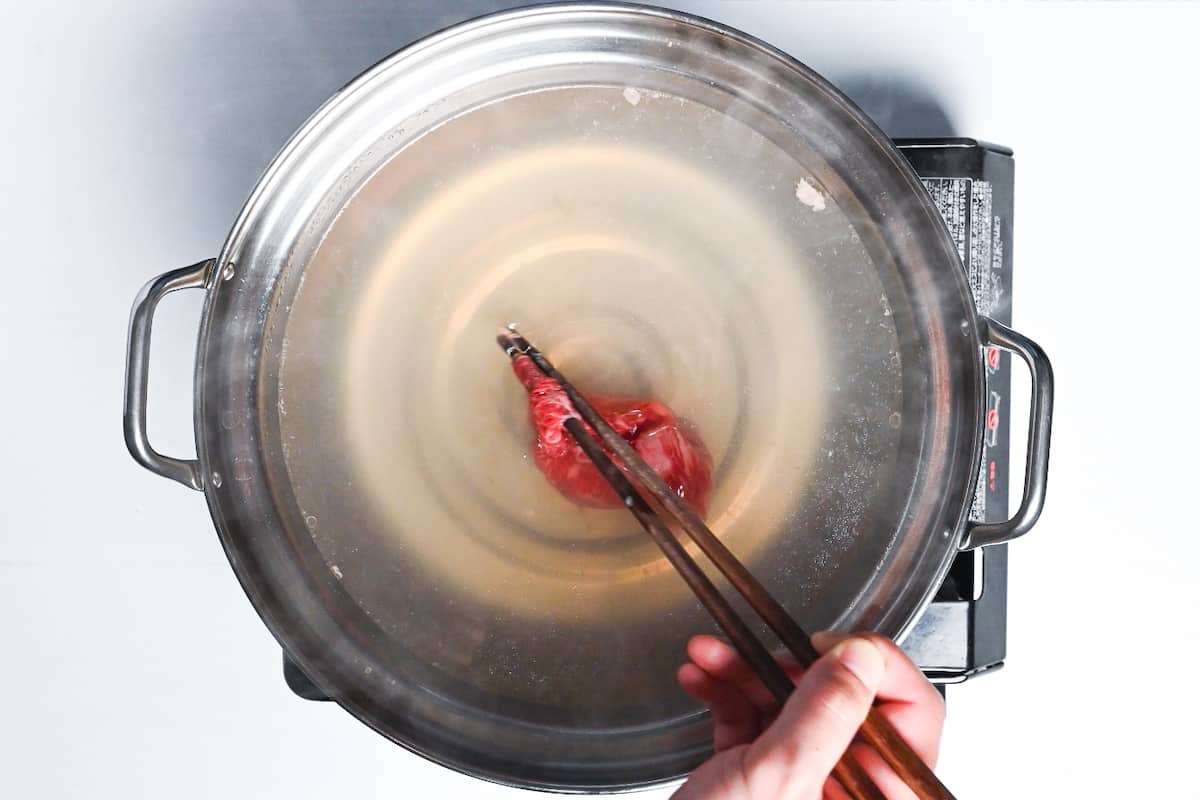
[[764, 752]]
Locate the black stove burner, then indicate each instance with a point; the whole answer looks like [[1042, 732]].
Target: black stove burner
[[963, 632]]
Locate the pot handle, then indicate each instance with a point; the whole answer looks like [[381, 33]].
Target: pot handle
[[137, 371], [1037, 456]]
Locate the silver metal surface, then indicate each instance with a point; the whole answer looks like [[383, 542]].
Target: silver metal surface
[[137, 373], [1037, 446], [364, 649]]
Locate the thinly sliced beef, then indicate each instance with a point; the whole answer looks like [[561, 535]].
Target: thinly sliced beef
[[651, 428]]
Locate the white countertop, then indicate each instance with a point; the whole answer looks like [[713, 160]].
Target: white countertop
[[133, 665]]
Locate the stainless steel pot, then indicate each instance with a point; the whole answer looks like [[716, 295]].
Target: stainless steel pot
[[513, 682]]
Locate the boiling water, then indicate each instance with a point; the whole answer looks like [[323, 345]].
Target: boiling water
[[652, 247]]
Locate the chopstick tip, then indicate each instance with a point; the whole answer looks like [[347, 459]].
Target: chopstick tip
[[513, 343], [510, 341]]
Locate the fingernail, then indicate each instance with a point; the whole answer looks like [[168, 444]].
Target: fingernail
[[824, 641], [863, 658]]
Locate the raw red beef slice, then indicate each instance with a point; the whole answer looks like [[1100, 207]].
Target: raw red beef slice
[[651, 428]]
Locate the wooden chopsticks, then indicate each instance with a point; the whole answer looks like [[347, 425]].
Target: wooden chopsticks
[[875, 731]]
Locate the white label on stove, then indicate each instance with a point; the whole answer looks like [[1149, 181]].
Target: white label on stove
[[950, 195]]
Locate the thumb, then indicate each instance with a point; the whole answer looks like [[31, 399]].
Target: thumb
[[818, 722]]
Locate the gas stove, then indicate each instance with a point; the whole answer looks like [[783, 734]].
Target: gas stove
[[962, 633]]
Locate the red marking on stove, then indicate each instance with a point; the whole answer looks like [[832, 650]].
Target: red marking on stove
[[993, 358], [991, 476], [993, 419]]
